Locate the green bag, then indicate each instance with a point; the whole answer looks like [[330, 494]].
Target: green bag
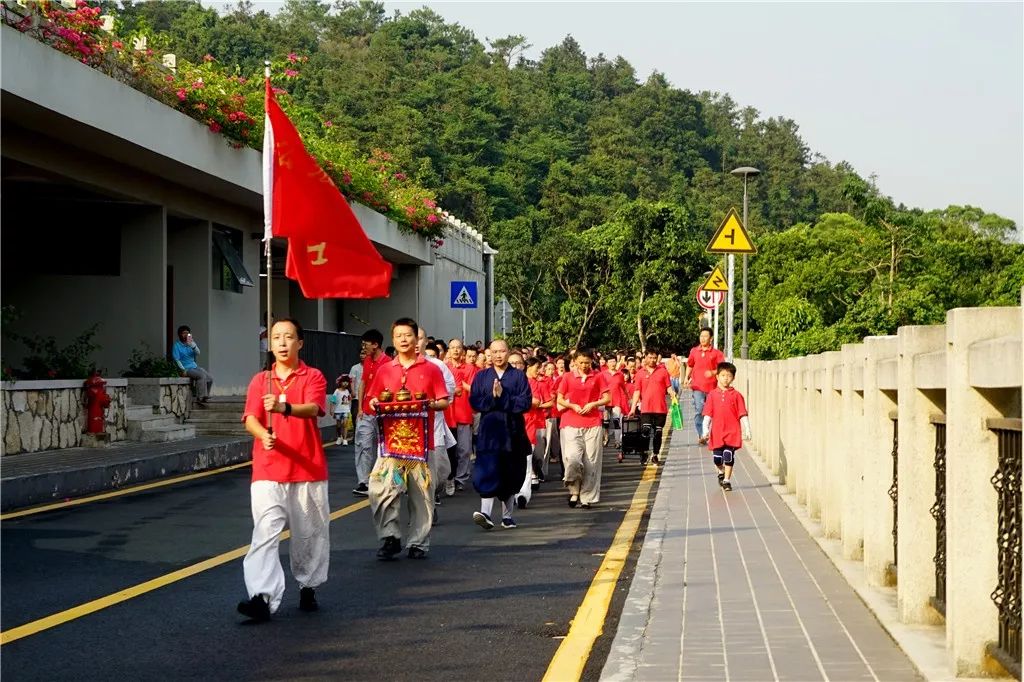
[[677, 415]]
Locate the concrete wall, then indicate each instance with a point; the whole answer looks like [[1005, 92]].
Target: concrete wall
[[825, 423], [129, 308]]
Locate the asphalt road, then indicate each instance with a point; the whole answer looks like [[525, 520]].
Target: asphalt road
[[485, 605]]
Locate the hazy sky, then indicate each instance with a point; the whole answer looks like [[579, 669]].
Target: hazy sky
[[927, 96]]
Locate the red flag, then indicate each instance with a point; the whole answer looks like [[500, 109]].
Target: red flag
[[328, 252], [334, 270]]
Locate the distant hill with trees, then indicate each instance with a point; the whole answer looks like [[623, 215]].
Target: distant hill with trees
[[601, 191]]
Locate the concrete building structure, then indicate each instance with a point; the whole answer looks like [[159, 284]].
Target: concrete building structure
[[123, 213], [907, 449]]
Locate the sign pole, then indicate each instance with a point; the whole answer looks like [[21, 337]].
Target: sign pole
[[463, 325], [743, 346], [715, 327], [730, 305]]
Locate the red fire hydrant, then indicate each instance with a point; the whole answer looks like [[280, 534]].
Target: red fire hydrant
[[96, 401]]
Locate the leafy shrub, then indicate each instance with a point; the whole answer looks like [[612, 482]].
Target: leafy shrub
[[145, 363], [47, 360]]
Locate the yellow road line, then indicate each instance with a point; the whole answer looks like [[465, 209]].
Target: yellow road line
[[95, 605], [587, 626], [117, 493]]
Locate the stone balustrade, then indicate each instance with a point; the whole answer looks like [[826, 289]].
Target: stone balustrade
[[858, 435], [46, 415]]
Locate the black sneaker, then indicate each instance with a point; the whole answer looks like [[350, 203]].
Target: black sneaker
[[256, 609], [508, 522], [726, 485], [584, 505], [721, 477], [573, 501], [655, 461], [521, 501], [361, 490], [307, 600], [391, 548], [483, 520], [417, 553]]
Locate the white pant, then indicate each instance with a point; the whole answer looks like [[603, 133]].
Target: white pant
[[440, 468], [535, 458], [581, 452], [304, 508]]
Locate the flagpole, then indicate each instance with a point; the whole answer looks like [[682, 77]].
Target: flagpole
[[267, 234]]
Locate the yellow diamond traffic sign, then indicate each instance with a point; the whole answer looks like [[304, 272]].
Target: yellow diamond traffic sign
[[716, 282], [731, 236]]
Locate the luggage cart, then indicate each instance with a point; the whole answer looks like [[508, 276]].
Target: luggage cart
[[636, 439]]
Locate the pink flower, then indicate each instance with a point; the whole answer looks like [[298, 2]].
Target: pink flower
[[399, 176], [201, 106], [279, 91], [214, 126], [198, 85], [432, 218], [208, 58], [118, 44], [292, 57], [232, 117], [346, 178], [291, 73], [169, 78], [328, 124], [410, 210], [429, 203], [182, 95], [243, 80]]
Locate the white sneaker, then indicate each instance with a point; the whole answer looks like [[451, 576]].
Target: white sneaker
[[449, 487], [344, 442], [337, 442]]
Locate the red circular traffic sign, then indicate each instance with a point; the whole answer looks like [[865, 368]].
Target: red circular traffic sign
[[709, 300]]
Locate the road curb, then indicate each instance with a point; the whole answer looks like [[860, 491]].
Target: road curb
[[66, 483]]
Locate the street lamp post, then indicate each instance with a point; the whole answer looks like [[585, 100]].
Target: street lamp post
[[745, 171]]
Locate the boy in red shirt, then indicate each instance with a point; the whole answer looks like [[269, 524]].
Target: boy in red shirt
[[536, 426], [726, 424], [289, 477], [392, 475]]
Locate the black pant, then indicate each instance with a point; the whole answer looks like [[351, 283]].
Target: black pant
[[657, 422], [453, 459]]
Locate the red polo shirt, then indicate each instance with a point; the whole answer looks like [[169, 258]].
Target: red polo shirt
[[700, 361], [370, 368], [725, 409], [617, 388], [653, 387], [580, 391], [299, 452], [537, 416], [419, 377], [461, 410]]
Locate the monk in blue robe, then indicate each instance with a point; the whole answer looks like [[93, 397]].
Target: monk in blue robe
[[501, 394]]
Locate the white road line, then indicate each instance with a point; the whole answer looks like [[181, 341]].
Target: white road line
[[686, 589], [785, 588], [718, 584], [750, 584], [828, 602]]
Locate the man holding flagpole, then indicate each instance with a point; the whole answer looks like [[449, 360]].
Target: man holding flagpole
[[331, 257], [289, 477]]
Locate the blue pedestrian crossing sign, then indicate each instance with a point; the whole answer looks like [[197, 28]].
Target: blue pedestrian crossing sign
[[464, 294]]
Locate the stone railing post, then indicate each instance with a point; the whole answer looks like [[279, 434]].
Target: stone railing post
[[922, 383], [971, 460], [832, 454], [879, 403], [852, 449]]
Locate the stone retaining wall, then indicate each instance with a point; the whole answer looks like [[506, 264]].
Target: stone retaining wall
[[170, 395], [47, 415]]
